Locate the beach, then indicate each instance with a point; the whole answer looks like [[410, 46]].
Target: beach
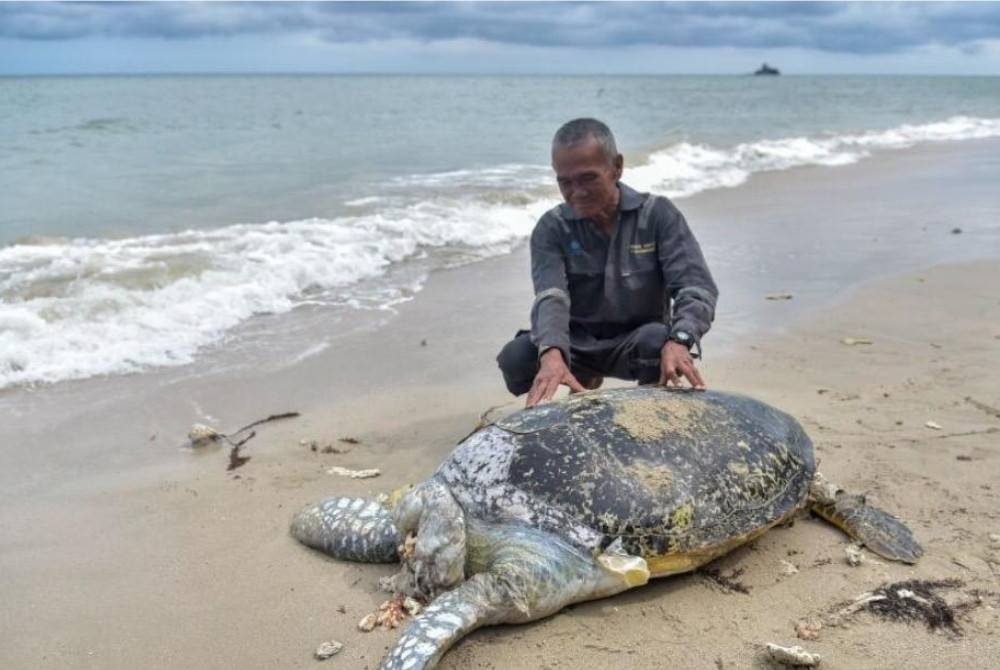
[[122, 547]]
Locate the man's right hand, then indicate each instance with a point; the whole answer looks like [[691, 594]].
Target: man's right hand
[[551, 374]]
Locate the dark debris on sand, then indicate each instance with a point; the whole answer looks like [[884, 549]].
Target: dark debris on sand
[[236, 460], [920, 601], [728, 583]]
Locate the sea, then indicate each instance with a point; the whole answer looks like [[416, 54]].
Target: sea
[[158, 221]]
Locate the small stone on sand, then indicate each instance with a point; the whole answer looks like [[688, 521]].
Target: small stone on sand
[[852, 341], [995, 539], [933, 425], [328, 649], [788, 568], [778, 296], [367, 624], [201, 435], [956, 231]]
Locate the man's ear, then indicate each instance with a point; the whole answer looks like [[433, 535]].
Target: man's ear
[[619, 166]]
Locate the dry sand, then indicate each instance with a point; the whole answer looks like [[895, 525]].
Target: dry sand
[[177, 563]]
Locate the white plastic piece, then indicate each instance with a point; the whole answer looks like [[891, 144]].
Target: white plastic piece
[[795, 656], [354, 474]]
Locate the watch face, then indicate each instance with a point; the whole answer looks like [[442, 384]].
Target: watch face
[[681, 336]]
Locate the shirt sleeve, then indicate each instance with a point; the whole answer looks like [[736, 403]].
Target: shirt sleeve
[[690, 289], [550, 311]]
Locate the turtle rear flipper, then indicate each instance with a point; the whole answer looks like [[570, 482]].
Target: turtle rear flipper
[[351, 529], [880, 531]]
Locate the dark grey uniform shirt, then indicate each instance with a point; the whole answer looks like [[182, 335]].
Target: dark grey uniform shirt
[[591, 286]]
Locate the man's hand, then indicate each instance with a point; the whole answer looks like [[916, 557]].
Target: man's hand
[[676, 362], [551, 374]]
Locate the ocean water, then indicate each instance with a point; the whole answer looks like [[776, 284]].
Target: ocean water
[[145, 221]]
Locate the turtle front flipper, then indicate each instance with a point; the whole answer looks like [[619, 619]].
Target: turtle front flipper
[[351, 529], [527, 574], [878, 530]]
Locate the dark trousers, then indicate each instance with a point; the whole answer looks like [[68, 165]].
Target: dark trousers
[[633, 355]]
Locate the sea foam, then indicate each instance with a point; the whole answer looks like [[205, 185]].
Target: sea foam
[[684, 169], [75, 308]]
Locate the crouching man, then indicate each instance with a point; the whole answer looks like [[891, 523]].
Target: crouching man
[[621, 286]]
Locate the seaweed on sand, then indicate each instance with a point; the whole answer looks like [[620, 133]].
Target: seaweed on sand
[[915, 601]]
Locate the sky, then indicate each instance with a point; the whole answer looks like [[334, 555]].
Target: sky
[[500, 37]]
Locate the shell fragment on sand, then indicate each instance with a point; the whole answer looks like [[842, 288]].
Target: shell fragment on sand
[[787, 568], [391, 613], [808, 629], [933, 425], [855, 556], [328, 649], [354, 474], [794, 656], [853, 341]]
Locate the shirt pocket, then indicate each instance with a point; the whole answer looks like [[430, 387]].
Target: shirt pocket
[[641, 272], [584, 265], [586, 285]]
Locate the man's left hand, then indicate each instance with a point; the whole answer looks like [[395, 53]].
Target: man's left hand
[[676, 363]]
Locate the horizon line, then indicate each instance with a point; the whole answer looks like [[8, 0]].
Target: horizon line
[[384, 73]]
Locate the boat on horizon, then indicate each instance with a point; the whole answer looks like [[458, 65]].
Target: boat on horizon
[[766, 69]]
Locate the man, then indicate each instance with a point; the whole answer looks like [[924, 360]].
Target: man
[[621, 286]]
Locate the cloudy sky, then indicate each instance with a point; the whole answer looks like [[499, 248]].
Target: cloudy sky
[[499, 37]]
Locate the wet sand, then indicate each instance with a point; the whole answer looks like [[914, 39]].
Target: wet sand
[[120, 548]]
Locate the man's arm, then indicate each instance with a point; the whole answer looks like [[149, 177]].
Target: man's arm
[[550, 311], [690, 289], [549, 315], [686, 277]]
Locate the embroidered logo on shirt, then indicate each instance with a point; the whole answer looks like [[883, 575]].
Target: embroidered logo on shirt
[[575, 249], [647, 248]]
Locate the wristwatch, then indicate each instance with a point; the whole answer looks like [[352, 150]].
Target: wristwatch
[[682, 337]]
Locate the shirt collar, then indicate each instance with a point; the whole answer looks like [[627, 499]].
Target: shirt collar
[[628, 200]]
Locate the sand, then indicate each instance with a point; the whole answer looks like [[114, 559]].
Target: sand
[[121, 549]]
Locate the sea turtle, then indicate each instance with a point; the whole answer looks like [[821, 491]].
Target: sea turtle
[[584, 498]]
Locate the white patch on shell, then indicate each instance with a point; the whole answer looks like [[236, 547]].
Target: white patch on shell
[[481, 460], [478, 473]]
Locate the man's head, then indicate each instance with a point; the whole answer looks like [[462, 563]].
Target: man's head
[[588, 167]]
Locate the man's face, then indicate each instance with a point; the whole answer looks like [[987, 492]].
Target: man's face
[[587, 180]]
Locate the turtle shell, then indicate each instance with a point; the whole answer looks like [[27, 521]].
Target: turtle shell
[[669, 472]]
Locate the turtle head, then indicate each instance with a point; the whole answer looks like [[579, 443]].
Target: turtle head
[[435, 560]]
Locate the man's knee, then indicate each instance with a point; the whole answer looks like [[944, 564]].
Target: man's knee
[[518, 361], [647, 344], [650, 338]]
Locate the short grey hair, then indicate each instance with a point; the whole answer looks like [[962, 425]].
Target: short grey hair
[[578, 130]]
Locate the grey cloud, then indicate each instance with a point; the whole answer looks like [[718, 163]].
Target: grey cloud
[[835, 27]]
